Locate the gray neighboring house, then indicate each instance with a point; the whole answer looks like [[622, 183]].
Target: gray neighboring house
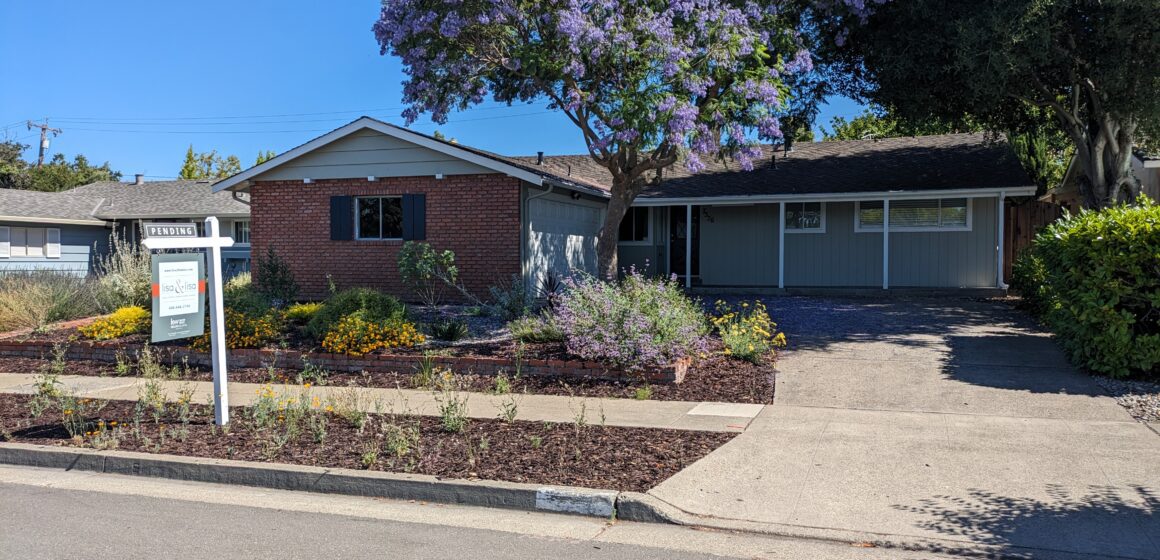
[[69, 231]]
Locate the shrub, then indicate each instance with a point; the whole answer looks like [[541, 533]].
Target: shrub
[[244, 330], [1098, 276], [450, 330], [427, 272], [302, 313], [536, 328], [240, 294], [747, 331], [125, 274], [635, 323], [1029, 279], [122, 322], [35, 299], [274, 278], [357, 334], [510, 300], [375, 306]]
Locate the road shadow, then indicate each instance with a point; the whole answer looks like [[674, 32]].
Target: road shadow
[[1101, 521]]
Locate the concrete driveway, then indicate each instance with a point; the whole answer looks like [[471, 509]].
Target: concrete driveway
[[951, 424]]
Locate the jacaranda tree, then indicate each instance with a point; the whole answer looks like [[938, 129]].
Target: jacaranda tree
[[647, 82]]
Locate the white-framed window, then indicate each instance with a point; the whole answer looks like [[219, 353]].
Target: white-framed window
[[805, 217], [242, 232], [26, 242], [931, 214], [635, 228], [378, 217]]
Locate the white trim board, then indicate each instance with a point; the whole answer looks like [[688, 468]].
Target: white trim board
[[835, 197]]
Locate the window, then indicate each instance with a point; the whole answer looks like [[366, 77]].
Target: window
[[242, 232], [634, 228], [379, 217], [935, 214], [805, 217], [29, 242]]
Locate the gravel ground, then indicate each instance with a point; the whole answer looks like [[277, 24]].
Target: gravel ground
[[1142, 399]]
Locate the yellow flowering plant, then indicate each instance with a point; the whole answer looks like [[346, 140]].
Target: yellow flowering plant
[[302, 313], [747, 330], [357, 335], [244, 330], [122, 322]]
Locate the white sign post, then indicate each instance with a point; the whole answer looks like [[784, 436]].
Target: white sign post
[[217, 324]]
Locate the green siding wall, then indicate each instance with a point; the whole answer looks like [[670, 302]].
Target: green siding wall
[[952, 259], [837, 258], [739, 245]]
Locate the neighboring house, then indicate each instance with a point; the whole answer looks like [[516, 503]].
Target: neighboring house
[[70, 230], [1146, 168], [908, 212]]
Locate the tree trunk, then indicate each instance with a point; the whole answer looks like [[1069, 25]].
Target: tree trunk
[[606, 241], [1103, 150]]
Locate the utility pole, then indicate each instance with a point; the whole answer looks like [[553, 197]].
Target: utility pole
[[44, 130]]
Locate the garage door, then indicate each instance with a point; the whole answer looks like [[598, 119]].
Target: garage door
[[562, 238]]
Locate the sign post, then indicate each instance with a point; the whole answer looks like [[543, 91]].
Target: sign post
[[171, 274]]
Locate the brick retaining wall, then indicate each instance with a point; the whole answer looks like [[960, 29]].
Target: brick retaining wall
[[380, 363]]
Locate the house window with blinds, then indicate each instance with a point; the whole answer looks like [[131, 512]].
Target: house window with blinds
[[934, 214], [22, 242]]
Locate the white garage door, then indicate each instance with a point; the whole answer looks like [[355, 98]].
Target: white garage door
[[562, 238]]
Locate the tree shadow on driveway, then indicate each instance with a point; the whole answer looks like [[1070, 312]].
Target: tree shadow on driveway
[[1122, 523], [1017, 361]]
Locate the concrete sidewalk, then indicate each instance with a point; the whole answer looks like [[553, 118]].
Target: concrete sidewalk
[[678, 415], [952, 423]]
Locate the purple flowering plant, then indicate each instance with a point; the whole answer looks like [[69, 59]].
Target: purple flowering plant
[[647, 82], [635, 323]]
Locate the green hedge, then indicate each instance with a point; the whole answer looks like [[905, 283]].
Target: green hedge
[[1094, 279]]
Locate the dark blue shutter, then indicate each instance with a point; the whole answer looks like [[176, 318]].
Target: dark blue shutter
[[414, 217], [341, 218]]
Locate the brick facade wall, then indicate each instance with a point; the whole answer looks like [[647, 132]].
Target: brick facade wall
[[476, 216]]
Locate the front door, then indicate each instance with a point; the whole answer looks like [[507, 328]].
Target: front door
[[677, 233]]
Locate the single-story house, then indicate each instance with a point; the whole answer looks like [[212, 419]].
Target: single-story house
[[69, 231], [919, 212]]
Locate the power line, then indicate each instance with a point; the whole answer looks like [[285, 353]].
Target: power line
[[45, 130], [283, 115], [144, 122], [290, 131]]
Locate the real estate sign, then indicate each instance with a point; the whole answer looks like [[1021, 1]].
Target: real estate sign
[[178, 296]]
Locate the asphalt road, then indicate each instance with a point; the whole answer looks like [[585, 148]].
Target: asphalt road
[[54, 514], [37, 522]]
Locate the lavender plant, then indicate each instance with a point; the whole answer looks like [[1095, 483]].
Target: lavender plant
[[635, 323]]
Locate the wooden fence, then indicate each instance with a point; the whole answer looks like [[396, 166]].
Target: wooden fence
[[1023, 222]]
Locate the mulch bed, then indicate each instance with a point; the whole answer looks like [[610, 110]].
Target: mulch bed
[[627, 459], [715, 378]]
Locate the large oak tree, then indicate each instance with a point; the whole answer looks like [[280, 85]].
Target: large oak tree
[[1094, 65]]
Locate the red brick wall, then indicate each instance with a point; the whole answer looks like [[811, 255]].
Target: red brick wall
[[476, 216]]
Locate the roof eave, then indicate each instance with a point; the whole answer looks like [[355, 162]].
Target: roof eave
[[58, 221], [1026, 190]]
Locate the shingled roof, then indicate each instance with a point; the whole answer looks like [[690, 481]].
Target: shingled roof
[[921, 163], [22, 206], [160, 200]]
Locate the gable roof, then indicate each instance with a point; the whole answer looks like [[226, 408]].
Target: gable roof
[[160, 200], [47, 207], [488, 160], [947, 162]]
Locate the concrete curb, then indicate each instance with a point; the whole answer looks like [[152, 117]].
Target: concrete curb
[[496, 494], [606, 504]]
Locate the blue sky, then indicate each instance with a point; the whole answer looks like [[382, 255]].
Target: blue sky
[[136, 82]]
